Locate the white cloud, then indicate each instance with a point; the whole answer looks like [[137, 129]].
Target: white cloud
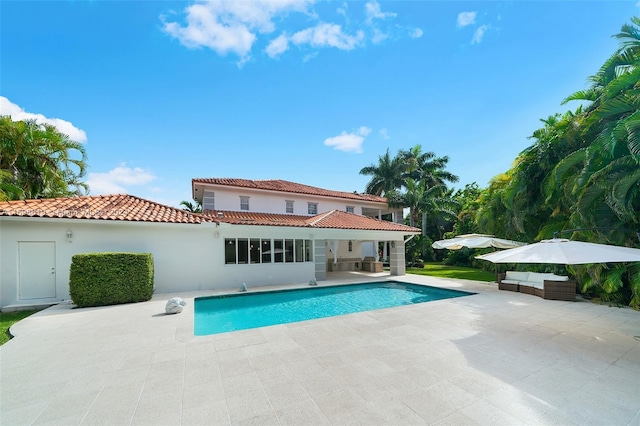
[[349, 142], [235, 27], [309, 56], [278, 46], [18, 114], [229, 26], [117, 180], [416, 33], [343, 10], [327, 35], [384, 133], [478, 34], [378, 36], [466, 18], [373, 11]]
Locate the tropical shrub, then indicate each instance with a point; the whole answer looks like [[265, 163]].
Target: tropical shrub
[[581, 176], [99, 279]]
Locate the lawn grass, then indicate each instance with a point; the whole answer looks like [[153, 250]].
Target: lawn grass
[[438, 269], [7, 319]]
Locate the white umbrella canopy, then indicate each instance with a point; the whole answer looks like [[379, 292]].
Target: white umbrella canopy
[[475, 241], [565, 252]]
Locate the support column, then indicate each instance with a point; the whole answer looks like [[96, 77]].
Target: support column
[[396, 262], [320, 260]]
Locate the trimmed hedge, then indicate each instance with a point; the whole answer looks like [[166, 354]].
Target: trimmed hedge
[[99, 279]]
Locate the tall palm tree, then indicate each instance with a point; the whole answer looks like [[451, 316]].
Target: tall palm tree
[[387, 175], [430, 176]]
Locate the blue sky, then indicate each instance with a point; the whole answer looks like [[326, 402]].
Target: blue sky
[[161, 92]]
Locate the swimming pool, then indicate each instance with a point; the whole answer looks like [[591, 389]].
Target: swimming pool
[[220, 314]]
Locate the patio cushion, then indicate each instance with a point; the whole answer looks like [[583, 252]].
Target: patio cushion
[[517, 276], [533, 283]]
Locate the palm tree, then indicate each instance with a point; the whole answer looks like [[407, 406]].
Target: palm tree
[[40, 161], [387, 175], [429, 175], [588, 162], [192, 207]]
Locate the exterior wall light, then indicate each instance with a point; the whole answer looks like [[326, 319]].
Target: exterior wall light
[[69, 235]]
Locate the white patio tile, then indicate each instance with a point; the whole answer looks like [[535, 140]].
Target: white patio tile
[[25, 414], [210, 413], [249, 407], [316, 385], [338, 406], [587, 408], [439, 401], [492, 358], [305, 412], [483, 413], [385, 413]]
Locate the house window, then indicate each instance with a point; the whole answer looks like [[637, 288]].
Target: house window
[[307, 250], [230, 250], [244, 203], [266, 251], [350, 209], [299, 250], [278, 251], [289, 207], [254, 250], [288, 250], [312, 208], [243, 250], [208, 200]]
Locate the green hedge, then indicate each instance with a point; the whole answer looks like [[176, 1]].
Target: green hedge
[[99, 279]]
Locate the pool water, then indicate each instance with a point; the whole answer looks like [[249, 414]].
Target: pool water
[[219, 314]]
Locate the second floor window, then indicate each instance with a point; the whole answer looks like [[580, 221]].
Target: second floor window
[[312, 208], [350, 209], [208, 201], [244, 203], [289, 207]]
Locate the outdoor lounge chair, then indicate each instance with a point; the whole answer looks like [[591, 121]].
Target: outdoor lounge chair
[[545, 285]]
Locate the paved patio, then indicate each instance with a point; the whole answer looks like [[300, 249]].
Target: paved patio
[[493, 358]]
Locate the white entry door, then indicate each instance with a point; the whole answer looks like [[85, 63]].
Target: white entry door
[[37, 270]]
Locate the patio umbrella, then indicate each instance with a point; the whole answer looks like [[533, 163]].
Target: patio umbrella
[[475, 241], [565, 252]]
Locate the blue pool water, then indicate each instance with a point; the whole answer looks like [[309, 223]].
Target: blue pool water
[[219, 314]]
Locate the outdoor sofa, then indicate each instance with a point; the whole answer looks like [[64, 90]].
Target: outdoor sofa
[[545, 285]]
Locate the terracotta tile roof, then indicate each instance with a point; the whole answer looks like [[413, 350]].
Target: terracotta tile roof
[[103, 207], [334, 219], [286, 186]]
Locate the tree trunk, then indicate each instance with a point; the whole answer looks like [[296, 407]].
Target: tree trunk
[[424, 223]]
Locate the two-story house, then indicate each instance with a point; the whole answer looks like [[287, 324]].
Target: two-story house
[[243, 198], [255, 233]]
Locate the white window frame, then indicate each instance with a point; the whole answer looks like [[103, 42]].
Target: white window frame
[[312, 206], [209, 200], [288, 203], [351, 209], [244, 203]]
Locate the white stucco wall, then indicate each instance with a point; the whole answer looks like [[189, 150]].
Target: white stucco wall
[[186, 257], [182, 253], [267, 202]]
